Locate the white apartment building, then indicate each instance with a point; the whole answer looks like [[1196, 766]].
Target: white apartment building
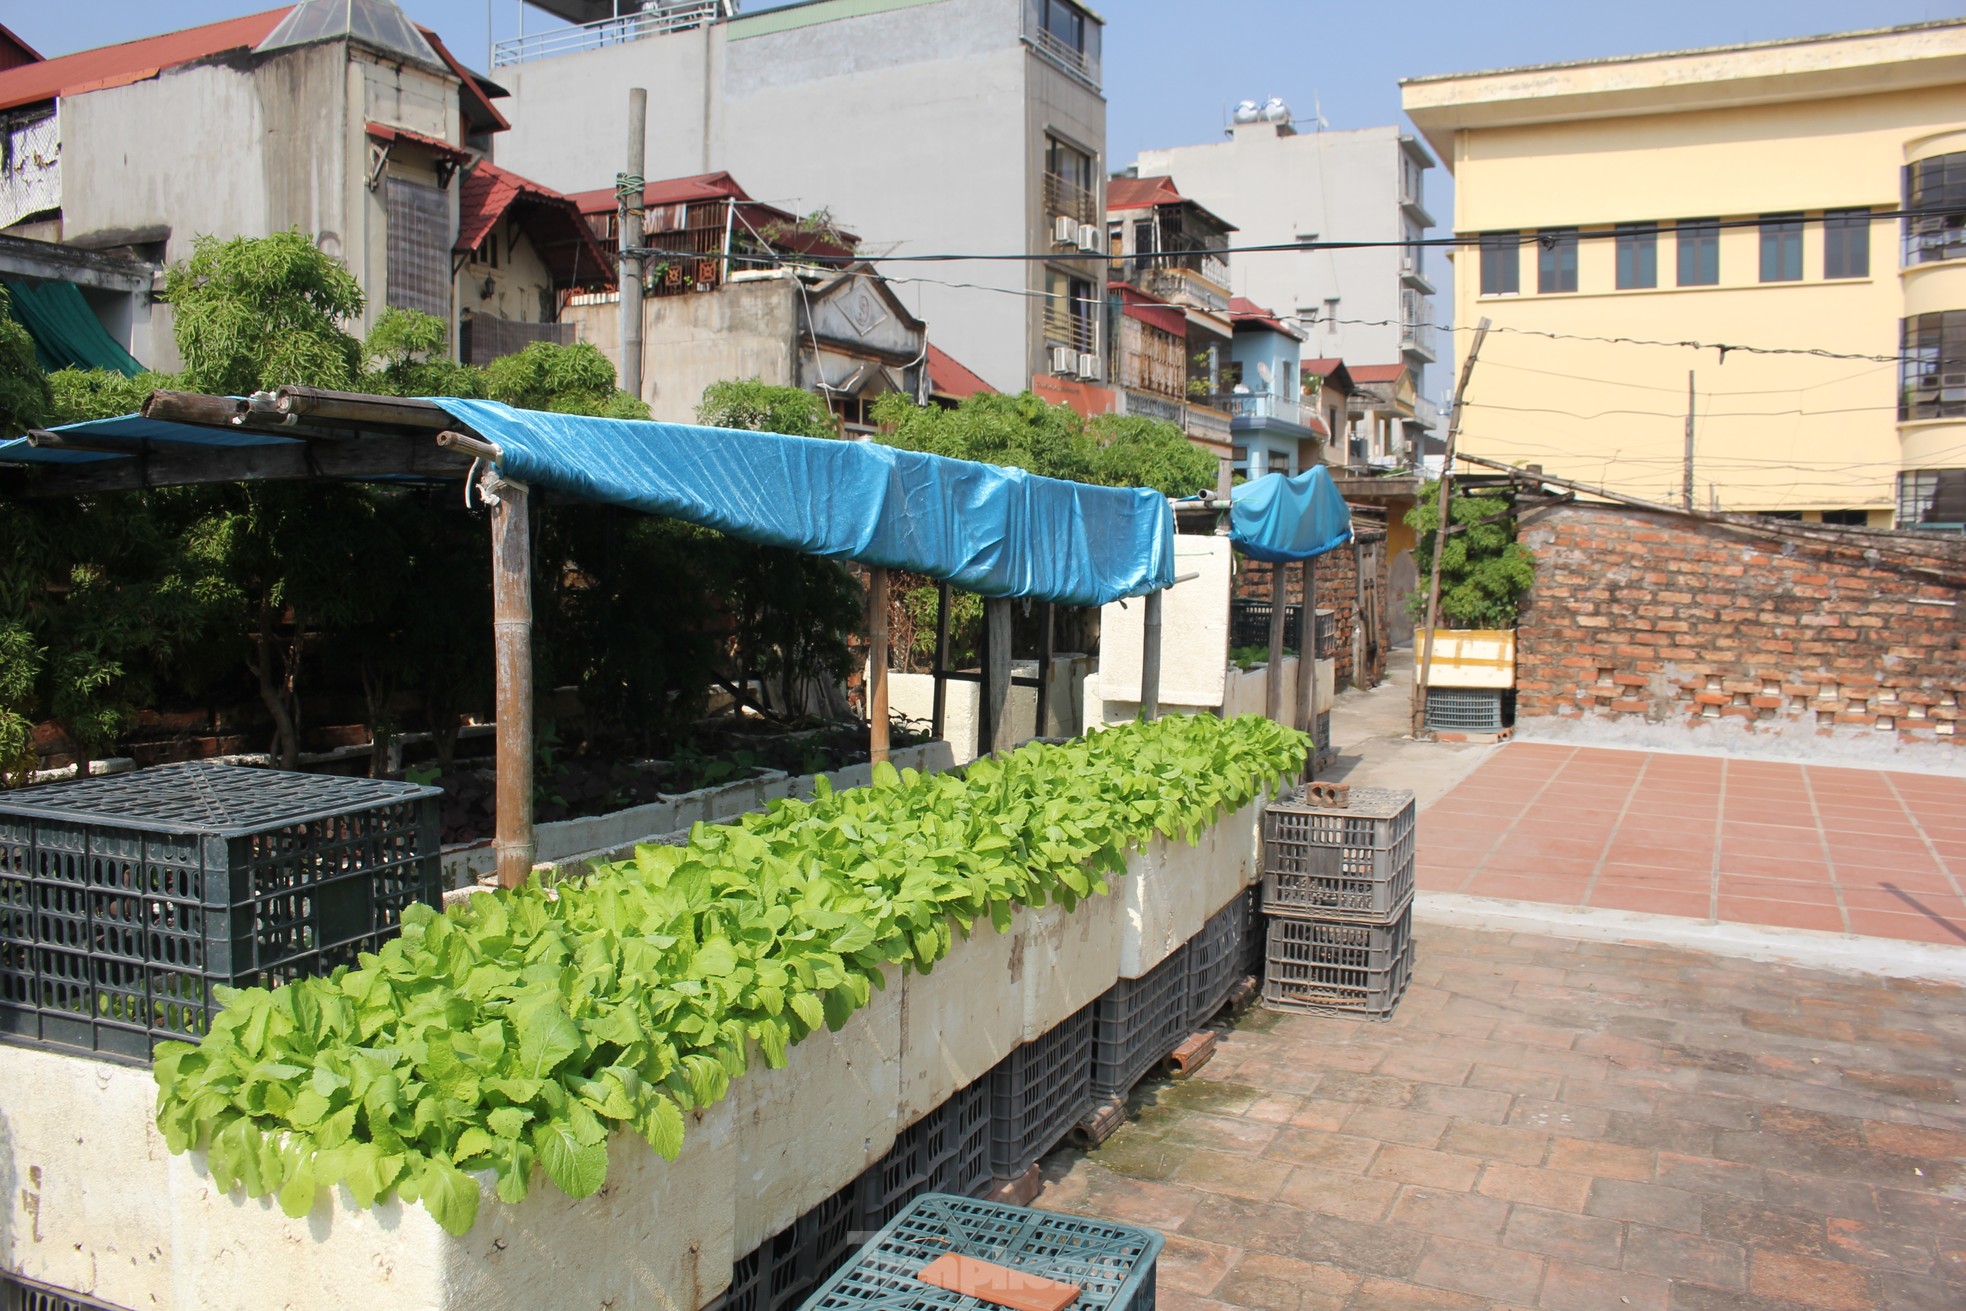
[[925, 126], [1279, 185]]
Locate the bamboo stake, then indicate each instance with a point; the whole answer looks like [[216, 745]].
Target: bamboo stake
[[512, 842], [1440, 535], [1273, 672]]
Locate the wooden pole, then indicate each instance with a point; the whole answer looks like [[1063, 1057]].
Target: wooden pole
[[939, 675], [631, 242], [1273, 672], [1307, 658], [1440, 534], [512, 842], [1150, 659], [1686, 487], [877, 589], [1002, 733]]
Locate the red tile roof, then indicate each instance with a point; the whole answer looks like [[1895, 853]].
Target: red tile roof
[[14, 52], [131, 61], [1378, 372], [1141, 193], [389, 132], [487, 116], [558, 233], [666, 191], [1244, 310], [948, 377], [1331, 369]]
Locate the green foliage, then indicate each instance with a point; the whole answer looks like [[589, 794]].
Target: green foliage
[[574, 379], [1484, 571], [409, 352], [1026, 432], [519, 1031], [757, 406], [965, 624], [259, 312], [78, 395], [23, 388]]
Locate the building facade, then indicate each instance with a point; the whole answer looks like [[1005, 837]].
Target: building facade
[[926, 126], [1280, 186], [1745, 197]]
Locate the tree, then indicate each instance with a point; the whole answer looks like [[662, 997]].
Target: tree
[[574, 379], [81, 394], [23, 390], [1484, 570], [758, 406], [1134, 451], [255, 313], [408, 353]]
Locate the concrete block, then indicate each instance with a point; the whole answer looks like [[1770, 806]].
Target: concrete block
[[808, 1130]]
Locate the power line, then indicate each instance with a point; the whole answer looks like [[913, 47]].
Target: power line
[[1669, 414]]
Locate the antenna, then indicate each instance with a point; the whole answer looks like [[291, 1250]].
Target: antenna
[[1317, 111]]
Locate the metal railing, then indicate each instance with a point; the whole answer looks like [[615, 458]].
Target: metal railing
[[670, 17], [1064, 328], [1063, 197], [1208, 423], [1065, 55], [1258, 405], [1932, 237], [1187, 286]]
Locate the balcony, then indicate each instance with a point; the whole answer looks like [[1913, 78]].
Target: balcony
[[1410, 275], [1416, 333], [1204, 286], [1254, 408], [1206, 424], [676, 16], [1064, 328], [1068, 198]]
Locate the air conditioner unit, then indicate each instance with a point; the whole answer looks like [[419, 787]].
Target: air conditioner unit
[[1090, 238], [1952, 380], [1088, 365], [1064, 229], [1064, 360]]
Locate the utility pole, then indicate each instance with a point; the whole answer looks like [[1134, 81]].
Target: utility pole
[[628, 195], [1440, 533], [1686, 487]]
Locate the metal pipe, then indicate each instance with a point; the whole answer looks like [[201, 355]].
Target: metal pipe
[[1150, 658]]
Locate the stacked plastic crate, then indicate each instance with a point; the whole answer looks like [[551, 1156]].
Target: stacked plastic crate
[[1338, 902]]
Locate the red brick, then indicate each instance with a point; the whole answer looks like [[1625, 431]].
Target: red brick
[[1570, 1287], [1829, 1285]]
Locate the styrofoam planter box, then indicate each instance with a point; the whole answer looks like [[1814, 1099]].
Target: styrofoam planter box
[[1175, 888], [961, 1018], [1070, 959], [808, 1130]]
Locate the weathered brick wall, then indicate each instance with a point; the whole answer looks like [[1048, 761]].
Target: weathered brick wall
[[1664, 620], [1337, 591]]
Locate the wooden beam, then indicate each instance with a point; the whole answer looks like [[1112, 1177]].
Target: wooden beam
[[1273, 671], [877, 727], [511, 546], [996, 676], [194, 407], [182, 465], [357, 408]]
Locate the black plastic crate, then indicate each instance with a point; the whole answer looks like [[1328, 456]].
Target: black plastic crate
[[1326, 630], [1038, 1092], [18, 1294], [1249, 625], [1254, 933], [1326, 751], [1216, 958], [1320, 968], [946, 1151], [778, 1275], [125, 900], [1138, 1021], [1464, 709], [1112, 1264]]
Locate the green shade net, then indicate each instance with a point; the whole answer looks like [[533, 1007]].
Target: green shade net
[[66, 331]]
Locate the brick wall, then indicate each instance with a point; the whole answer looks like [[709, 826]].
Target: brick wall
[[1337, 591], [1662, 619]]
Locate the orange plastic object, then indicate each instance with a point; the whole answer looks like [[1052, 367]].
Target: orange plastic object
[[998, 1285]]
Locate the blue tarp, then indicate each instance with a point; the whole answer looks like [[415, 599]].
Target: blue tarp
[[1283, 519], [993, 531]]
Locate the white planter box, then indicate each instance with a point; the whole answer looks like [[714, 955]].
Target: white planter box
[[961, 1018], [1175, 887]]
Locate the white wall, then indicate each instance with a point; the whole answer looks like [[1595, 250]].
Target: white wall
[[1194, 631]]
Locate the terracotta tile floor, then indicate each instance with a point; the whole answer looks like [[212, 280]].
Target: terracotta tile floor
[[1862, 851]]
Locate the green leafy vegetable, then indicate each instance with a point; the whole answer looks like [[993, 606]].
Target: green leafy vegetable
[[525, 1028]]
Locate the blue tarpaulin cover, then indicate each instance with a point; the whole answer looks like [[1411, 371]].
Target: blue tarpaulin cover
[[984, 529], [1283, 519]]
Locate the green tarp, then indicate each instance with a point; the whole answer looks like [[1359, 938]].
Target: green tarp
[[66, 331]]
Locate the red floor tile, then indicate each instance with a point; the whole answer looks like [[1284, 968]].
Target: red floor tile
[[1908, 901], [1651, 901], [1911, 928], [1549, 891], [1775, 867], [1534, 866], [1814, 892], [1781, 914]]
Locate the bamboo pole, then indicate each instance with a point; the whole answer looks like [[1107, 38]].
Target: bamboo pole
[[877, 728], [1440, 535], [512, 842], [1307, 660], [1273, 671], [1002, 729]]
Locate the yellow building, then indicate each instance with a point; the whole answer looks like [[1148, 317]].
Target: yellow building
[[1749, 196]]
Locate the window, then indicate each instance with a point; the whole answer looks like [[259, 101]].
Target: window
[[1699, 252], [1846, 243], [1068, 182], [1501, 263], [1935, 201], [1932, 498], [1064, 24], [418, 247], [1556, 260], [1846, 518], [1638, 256], [1932, 378], [1331, 314], [1070, 316], [1065, 35], [1781, 248]]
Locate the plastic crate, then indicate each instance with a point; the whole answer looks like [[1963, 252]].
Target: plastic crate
[[1254, 934], [1037, 1093], [1216, 958], [1113, 1264], [1464, 709], [1326, 630], [1352, 863], [1138, 1021], [124, 900], [21, 1295], [1321, 968], [780, 1274], [946, 1151], [1249, 625]]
